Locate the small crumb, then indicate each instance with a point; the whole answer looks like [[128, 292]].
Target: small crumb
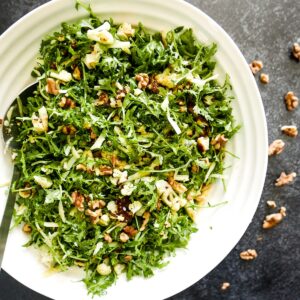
[[264, 78], [276, 147], [284, 178], [259, 238], [296, 51], [271, 204], [225, 286], [291, 101], [290, 130], [256, 66], [249, 254], [272, 220]]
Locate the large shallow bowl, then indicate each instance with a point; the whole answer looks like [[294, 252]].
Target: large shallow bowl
[[220, 228]]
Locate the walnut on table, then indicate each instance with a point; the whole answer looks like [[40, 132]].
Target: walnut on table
[[272, 220], [290, 130], [264, 78], [296, 51], [291, 101], [276, 147], [256, 66], [225, 286], [249, 254], [284, 178]]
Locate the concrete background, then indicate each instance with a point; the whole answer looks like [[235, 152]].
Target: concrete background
[[264, 30]]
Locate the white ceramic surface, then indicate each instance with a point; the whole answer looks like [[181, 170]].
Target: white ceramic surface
[[219, 228]]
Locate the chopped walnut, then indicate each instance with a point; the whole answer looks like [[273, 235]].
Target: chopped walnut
[[96, 204], [249, 254], [146, 217], [94, 215], [219, 141], [225, 286], [26, 192], [103, 170], [130, 230], [77, 73], [256, 66], [51, 87], [78, 200], [66, 103], [284, 179], [296, 51], [290, 130], [271, 204], [102, 100], [128, 258], [274, 219], [177, 186], [276, 147], [291, 101], [27, 228], [143, 80], [153, 85], [69, 130], [124, 237], [107, 238], [264, 78]]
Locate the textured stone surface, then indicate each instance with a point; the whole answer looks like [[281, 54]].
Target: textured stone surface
[[264, 30]]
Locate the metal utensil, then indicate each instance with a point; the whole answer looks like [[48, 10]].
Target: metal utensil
[[10, 132]]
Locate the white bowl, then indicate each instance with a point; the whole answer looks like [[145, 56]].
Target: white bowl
[[220, 228]]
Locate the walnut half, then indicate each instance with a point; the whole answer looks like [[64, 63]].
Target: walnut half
[[291, 101], [284, 178], [276, 147], [249, 254], [256, 66], [272, 220], [290, 130]]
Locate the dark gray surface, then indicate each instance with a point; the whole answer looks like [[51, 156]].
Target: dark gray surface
[[265, 30]]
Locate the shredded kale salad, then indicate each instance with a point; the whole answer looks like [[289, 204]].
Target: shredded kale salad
[[126, 130]]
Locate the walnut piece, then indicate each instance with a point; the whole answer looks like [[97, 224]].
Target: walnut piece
[[290, 130], [284, 179], [27, 228], [296, 51], [291, 101], [249, 254], [256, 66], [130, 230], [143, 80], [271, 204], [51, 87], [78, 200], [177, 186], [102, 100], [69, 130], [103, 171], [225, 286], [264, 78], [146, 217], [66, 103], [219, 141], [107, 238], [276, 147], [272, 220]]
